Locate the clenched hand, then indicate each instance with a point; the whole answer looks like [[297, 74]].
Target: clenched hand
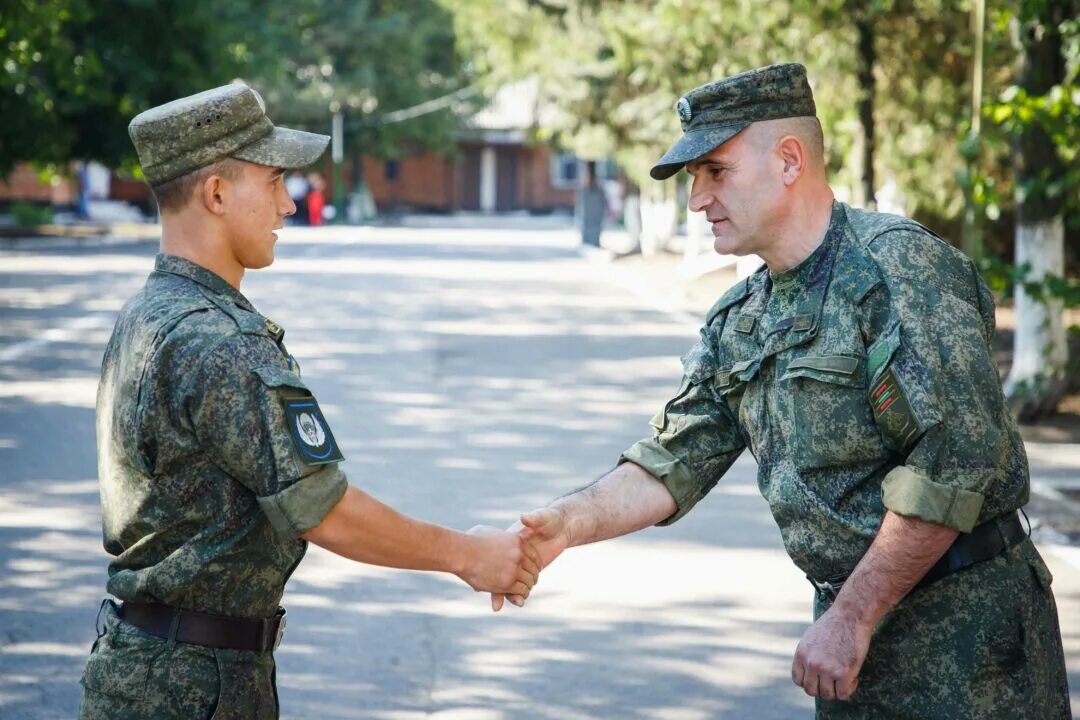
[[830, 655], [495, 560], [545, 532]]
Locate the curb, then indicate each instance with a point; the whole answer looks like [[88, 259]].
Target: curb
[[52, 241]]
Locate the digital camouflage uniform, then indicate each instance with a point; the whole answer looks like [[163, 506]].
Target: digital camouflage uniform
[[213, 459], [863, 380], [206, 486]]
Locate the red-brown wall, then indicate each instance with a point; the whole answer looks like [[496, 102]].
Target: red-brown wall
[[23, 184], [424, 181]]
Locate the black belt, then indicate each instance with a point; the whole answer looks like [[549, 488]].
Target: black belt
[[216, 631], [984, 542]]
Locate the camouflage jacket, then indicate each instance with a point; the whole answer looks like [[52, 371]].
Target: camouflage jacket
[[213, 456], [861, 380]]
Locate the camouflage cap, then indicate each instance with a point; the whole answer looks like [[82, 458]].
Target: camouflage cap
[[713, 114], [230, 121]]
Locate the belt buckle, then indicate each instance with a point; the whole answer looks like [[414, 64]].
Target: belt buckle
[[826, 588], [280, 628]]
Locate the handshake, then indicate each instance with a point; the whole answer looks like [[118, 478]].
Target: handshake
[[507, 563]]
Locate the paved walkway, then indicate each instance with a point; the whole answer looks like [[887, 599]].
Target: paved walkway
[[468, 375]]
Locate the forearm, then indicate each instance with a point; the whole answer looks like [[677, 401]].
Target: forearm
[[903, 551], [625, 500], [361, 528]]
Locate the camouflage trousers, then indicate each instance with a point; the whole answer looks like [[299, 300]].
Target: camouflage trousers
[[132, 675], [981, 643]]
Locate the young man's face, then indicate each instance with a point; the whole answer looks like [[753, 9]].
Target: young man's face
[[256, 204], [737, 186]]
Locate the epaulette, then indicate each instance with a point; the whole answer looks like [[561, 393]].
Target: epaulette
[[913, 253], [247, 322], [856, 272]]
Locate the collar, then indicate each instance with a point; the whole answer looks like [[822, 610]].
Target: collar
[[810, 279], [815, 268], [181, 267]]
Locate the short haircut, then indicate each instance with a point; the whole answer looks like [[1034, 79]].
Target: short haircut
[[174, 194], [806, 128]]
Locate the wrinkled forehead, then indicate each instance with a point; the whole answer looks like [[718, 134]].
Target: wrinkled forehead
[[733, 148]]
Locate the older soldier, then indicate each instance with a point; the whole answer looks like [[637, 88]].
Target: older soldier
[[216, 462], [856, 367]]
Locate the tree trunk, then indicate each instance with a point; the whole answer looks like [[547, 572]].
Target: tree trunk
[[699, 237], [1040, 353], [864, 27], [659, 212]]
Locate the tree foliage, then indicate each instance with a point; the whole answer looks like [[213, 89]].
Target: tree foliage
[[367, 60], [74, 72], [611, 72]]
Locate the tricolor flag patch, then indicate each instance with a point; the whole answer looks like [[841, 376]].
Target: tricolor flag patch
[[884, 394], [893, 413]]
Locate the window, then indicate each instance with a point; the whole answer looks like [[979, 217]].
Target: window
[[564, 170]]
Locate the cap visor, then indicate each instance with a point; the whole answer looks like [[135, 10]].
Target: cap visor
[[285, 148], [692, 145]]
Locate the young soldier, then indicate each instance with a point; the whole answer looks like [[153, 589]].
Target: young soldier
[[215, 461]]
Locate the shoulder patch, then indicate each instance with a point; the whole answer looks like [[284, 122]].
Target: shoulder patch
[[309, 431], [736, 293], [893, 413]]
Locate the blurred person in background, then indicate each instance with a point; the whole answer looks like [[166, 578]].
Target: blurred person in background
[[297, 186], [316, 201]]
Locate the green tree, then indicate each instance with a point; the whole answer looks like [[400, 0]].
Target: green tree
[[371, 61], [74, 72], [1041, 116]]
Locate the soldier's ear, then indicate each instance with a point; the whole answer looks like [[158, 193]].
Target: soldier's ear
[[211, 195], [793, 154]]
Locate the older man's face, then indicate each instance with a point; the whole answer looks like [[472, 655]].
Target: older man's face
[[737, 186]]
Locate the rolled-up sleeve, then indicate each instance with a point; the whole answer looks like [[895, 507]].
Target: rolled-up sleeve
[[695, 438], [239, 419], [302, 505], [937, 401]]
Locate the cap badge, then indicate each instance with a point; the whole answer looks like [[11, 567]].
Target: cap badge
[[683, 108]]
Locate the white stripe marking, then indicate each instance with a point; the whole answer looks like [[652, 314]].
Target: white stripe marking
[[65, 333]]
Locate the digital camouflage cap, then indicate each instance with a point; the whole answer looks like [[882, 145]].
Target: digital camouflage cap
[[184, 135], [714, 113]]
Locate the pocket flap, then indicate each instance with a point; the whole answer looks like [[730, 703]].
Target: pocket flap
[[842, 364], [276, 377], [834, 369], [745, 370], [728, 378]]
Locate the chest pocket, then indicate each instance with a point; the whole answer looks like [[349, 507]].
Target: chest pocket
[[833, 423]]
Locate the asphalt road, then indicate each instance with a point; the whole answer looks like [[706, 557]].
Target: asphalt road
[[468, 375]]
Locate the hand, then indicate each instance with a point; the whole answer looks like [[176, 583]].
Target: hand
[[499, 561], [830, 655], [545, 530]]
